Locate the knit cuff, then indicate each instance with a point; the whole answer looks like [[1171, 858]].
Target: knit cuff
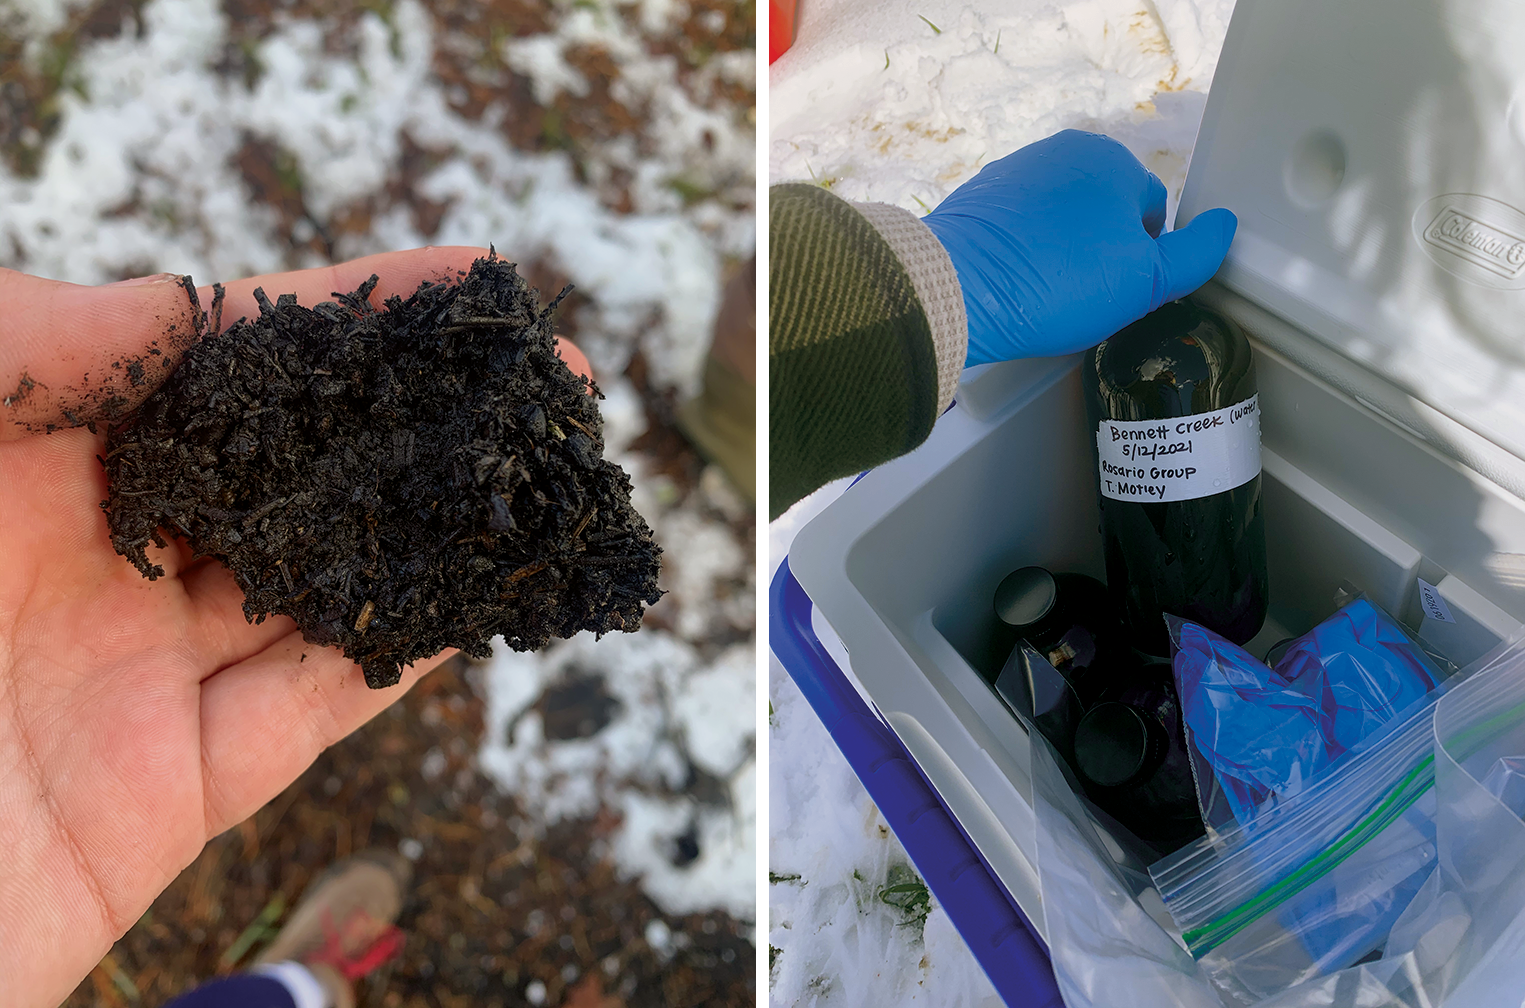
[[933, 278]]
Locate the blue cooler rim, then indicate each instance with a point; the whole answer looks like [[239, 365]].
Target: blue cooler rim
[[1003, 940]]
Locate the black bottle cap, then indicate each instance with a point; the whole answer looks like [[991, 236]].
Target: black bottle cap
[[1025, 596], [1118, 744]]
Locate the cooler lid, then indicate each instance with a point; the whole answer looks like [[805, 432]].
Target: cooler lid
[[1374, 153]]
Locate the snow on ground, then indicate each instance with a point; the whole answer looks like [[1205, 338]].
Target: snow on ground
[[671, 713], [168, 129], [833, 940], [680, 710], [900, 101], [143, 169]]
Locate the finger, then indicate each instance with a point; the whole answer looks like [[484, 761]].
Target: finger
[[1152, 210], [574, 358], [71, 353], [397, 273], [1099, 157], [1125, 174], [1189, 256], [222, 635], [264, 720]]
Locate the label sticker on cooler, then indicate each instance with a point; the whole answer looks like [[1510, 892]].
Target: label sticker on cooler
[[1180, 458], [1433, 605]]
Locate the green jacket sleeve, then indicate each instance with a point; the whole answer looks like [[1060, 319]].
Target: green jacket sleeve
[[866, 337]]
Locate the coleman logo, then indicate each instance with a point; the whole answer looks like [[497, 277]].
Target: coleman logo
[[1492, 248]]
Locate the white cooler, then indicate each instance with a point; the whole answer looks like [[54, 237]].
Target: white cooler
[[1374, 153]]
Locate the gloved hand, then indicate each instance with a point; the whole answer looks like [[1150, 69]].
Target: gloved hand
[[1058, 246]]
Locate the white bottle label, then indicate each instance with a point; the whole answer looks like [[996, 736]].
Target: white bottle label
[[1180, 458]]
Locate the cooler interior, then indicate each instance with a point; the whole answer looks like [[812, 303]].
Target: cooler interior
[[1348, 496]]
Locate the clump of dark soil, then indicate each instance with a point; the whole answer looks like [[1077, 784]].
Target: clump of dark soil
[[396, 481]]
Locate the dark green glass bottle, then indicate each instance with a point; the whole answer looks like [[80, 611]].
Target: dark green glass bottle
[[1172, 402]]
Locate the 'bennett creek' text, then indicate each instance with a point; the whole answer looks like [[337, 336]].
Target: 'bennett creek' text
[[1128, 474]]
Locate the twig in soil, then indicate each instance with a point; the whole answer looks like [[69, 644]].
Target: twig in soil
[[122, 980]]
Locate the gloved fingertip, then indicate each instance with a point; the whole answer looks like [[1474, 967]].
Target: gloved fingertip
[[1189, 256], [977, 355], [1221, 218]]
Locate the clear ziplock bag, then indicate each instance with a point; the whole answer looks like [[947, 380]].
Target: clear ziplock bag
[[1315, 883], [1407, 891]]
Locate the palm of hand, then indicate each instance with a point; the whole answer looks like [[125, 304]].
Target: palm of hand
[[137, 719]]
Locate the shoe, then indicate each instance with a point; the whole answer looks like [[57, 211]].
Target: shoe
[[344, 928]]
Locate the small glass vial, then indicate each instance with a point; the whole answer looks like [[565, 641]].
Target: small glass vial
[[1070, 620]]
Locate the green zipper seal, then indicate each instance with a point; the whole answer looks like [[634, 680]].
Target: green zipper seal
[[1202, 940], [1214, 933]]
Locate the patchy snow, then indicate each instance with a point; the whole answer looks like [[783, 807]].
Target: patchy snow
[[674, 712], [33, 19], [724, 875], [879, 104], [539, 58], [681, 710], [143, 175], [902, 100]]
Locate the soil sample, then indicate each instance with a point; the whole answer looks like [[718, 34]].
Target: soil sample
[[398, 481]]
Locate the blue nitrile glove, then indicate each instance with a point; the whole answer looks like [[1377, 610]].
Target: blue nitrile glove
[[1058, 246], [1258, 735], [1361, 669]]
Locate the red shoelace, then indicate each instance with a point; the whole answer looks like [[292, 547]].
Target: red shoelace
[[353, 966]]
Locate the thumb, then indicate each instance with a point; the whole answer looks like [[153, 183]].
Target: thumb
[[71, 354], [572, 355], [1189, 256]]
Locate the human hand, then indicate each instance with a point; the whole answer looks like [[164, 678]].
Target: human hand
[[1058, 246], [137, 719]]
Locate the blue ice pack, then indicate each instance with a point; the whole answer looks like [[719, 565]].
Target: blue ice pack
[[1260, 734]]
